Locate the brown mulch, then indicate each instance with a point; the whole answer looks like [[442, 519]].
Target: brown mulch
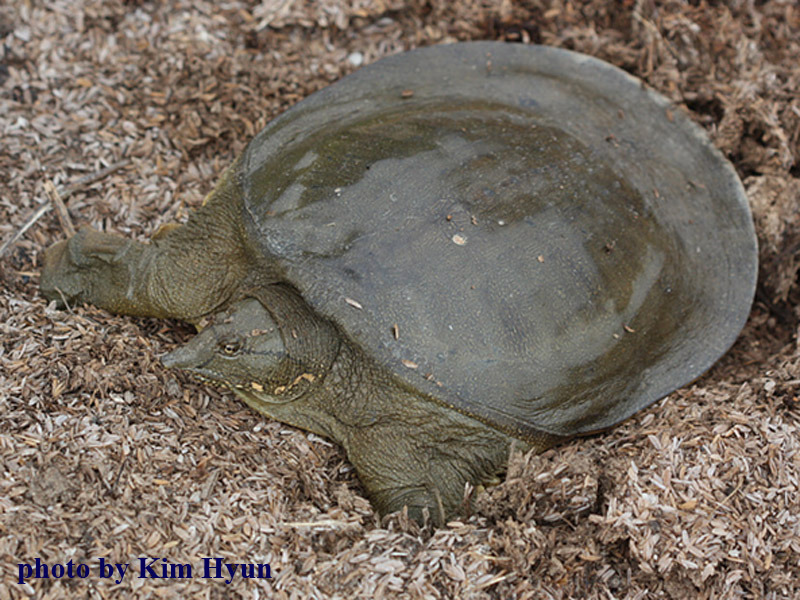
[[104, 453]]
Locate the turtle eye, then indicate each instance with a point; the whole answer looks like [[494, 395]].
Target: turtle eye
[[230, 347]]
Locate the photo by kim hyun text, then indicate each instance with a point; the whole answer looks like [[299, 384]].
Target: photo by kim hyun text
[[143, 568]]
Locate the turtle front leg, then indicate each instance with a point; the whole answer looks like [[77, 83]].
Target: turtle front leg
[[425, 468], [100, 268], [418, 500], [176, 275], [185, 272]]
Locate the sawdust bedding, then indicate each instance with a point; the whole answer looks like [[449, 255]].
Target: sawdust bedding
[[105, 454]]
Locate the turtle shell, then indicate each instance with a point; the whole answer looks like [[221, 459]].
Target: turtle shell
[[525, 234]]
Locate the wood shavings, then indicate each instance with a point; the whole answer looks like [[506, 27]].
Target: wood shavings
[[60, 207]]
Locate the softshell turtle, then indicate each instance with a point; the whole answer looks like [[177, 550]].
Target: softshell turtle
[[447, 252]]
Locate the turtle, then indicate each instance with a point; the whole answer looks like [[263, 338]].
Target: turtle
[[453, 252]]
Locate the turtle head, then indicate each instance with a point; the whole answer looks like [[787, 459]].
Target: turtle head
[[242, 349], [265, 356]]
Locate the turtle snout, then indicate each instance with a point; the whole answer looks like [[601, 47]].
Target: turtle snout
[[170, 360], [180, 358]]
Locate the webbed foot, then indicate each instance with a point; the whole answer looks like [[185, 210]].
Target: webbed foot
[[423, 504], [92, 267]]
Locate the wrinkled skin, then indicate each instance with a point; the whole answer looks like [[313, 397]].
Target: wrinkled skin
[[280, 357]]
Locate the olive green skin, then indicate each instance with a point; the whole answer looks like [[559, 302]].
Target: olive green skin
[[531, 247]]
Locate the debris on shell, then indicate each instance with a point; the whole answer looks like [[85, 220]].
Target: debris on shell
[[354, 303]]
